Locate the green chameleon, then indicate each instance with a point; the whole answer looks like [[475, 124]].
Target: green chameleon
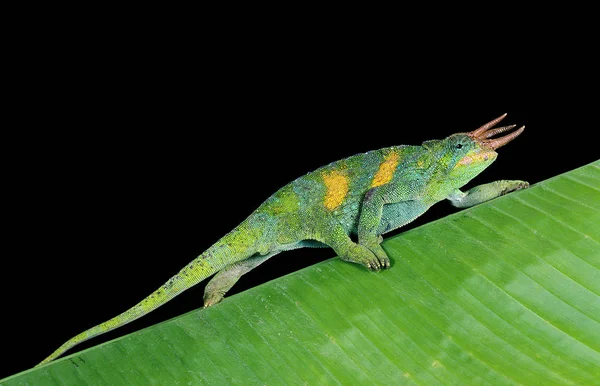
[[365, 195]]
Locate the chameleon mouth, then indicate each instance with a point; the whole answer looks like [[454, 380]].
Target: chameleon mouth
[[484, 133]]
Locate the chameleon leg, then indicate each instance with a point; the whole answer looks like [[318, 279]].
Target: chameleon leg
[[485, 192], [222, 282], [348, 250], [370, 217]]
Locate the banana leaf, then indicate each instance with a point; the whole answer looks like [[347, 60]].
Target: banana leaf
[[507, 292]]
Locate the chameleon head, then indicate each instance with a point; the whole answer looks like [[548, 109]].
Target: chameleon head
[[476, 150]]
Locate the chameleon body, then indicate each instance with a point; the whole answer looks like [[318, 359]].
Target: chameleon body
[[365, 195]]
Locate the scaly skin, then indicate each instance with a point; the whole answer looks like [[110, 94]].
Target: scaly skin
[[366, 195]]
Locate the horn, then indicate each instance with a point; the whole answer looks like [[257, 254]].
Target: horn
[[497, 130], [499, 142], [487, 126]]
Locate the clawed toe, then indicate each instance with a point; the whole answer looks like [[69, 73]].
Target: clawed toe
[[383, 261], [375, 258], [374, 265], [210, 299]]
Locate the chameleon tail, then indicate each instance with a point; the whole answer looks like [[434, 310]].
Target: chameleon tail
[[235, 246]]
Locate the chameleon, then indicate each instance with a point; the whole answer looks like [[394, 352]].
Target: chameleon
[[362, 197]]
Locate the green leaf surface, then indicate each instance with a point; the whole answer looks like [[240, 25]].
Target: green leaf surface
[[504, 293]]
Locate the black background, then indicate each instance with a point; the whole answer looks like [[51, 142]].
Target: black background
[[118, 178]]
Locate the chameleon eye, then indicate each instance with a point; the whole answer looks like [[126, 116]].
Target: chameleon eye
[[459, 146]]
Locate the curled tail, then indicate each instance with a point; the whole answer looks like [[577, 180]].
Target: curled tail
[[237, 245]]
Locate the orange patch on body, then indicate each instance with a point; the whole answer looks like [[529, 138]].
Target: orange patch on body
[[337, 189], [386, 170]]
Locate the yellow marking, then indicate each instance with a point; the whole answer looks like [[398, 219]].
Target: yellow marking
[[386, 170], [337, 189], [285, 201]]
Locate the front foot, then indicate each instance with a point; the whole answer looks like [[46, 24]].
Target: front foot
[[212, 297], [513, 186], [359, 254], [485, 192]]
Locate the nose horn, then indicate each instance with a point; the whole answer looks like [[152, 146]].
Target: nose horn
[[484, 132]]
